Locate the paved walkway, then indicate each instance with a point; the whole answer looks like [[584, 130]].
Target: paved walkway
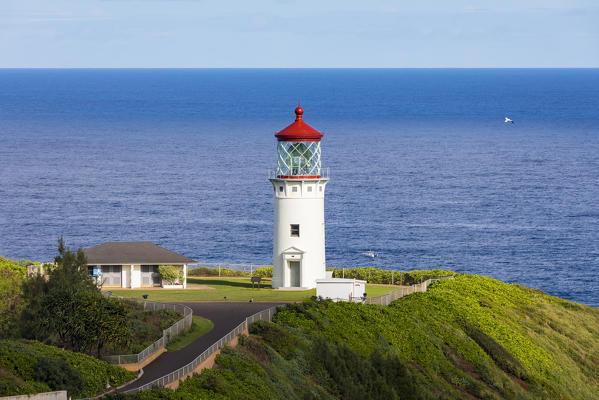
[[224, 315]]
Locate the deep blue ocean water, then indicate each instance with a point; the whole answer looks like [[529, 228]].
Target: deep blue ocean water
[[423, 169]]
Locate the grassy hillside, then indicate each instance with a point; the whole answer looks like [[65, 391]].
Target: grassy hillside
[[31, 367], [470, 337]]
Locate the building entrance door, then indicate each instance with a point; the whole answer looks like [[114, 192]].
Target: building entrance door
[[294, 273]]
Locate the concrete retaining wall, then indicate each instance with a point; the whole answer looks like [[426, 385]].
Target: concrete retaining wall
[[134, 367], [60, 395]]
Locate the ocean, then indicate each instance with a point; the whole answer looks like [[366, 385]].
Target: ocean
[[424, 171]]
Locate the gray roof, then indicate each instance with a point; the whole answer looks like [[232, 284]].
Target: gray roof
[[133, 253]]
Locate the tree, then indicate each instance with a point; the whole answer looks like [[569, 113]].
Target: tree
[[70, 310], [112, 325], [70, 270]]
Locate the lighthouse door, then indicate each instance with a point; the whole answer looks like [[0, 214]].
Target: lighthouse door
[[294, 273]]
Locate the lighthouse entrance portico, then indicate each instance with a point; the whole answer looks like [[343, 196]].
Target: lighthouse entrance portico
[[299, 186], [292, 271]]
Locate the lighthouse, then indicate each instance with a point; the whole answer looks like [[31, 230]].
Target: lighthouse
[[299, 185]]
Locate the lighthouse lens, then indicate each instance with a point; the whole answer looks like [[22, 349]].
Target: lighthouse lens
[[299, 158]]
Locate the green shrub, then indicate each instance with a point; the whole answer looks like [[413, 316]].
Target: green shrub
[[171, 274], [58, 375], [20, 363], [12, 276], [23, 358], [11, 385], [382, 276], [497, 352], [205, 271], [281, 340], [341, 370], [139, 329], [264, 272], [145, 326], [67, 307]]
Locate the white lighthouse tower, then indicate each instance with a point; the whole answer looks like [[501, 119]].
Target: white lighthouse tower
[[299, 183]]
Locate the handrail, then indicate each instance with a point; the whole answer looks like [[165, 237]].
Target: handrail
[[168, 334], [325, 173], [264, 315], [386, 299]]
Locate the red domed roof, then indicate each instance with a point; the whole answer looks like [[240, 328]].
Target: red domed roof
[[298, 131]]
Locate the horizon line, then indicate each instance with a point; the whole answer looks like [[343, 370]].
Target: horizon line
[[254, 68]]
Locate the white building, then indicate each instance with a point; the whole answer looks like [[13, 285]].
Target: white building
[[299, 185], [339, 289], [133, 264]]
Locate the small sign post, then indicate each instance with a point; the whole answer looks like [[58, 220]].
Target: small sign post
[[258, 280]]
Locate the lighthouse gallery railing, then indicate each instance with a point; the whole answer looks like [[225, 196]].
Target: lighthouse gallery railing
[[325, 173]]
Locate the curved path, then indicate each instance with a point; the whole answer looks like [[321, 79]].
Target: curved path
[[224, 315]]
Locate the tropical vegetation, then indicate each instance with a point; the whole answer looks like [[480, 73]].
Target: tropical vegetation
[[388, 277], [28, 367], [12, 276], [465, 338], [145, 327], [66, 309], [264, 272], [170, 274]]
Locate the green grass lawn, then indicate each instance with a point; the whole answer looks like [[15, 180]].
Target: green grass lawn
[[199, 327], [376, 290], [234, 289]]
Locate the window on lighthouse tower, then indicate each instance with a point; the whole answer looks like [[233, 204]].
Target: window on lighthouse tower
[[295, 230]]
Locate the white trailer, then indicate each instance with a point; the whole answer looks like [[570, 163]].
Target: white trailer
[[339, 289]]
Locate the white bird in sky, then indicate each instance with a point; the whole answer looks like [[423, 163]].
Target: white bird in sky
[[508, 120]]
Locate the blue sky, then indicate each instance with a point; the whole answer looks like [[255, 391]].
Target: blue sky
[[289, 33]]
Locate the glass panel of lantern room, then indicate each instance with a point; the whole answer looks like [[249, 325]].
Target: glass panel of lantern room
[[298, 159]]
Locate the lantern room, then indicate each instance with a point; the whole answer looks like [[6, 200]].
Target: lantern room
[[298, 150]]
